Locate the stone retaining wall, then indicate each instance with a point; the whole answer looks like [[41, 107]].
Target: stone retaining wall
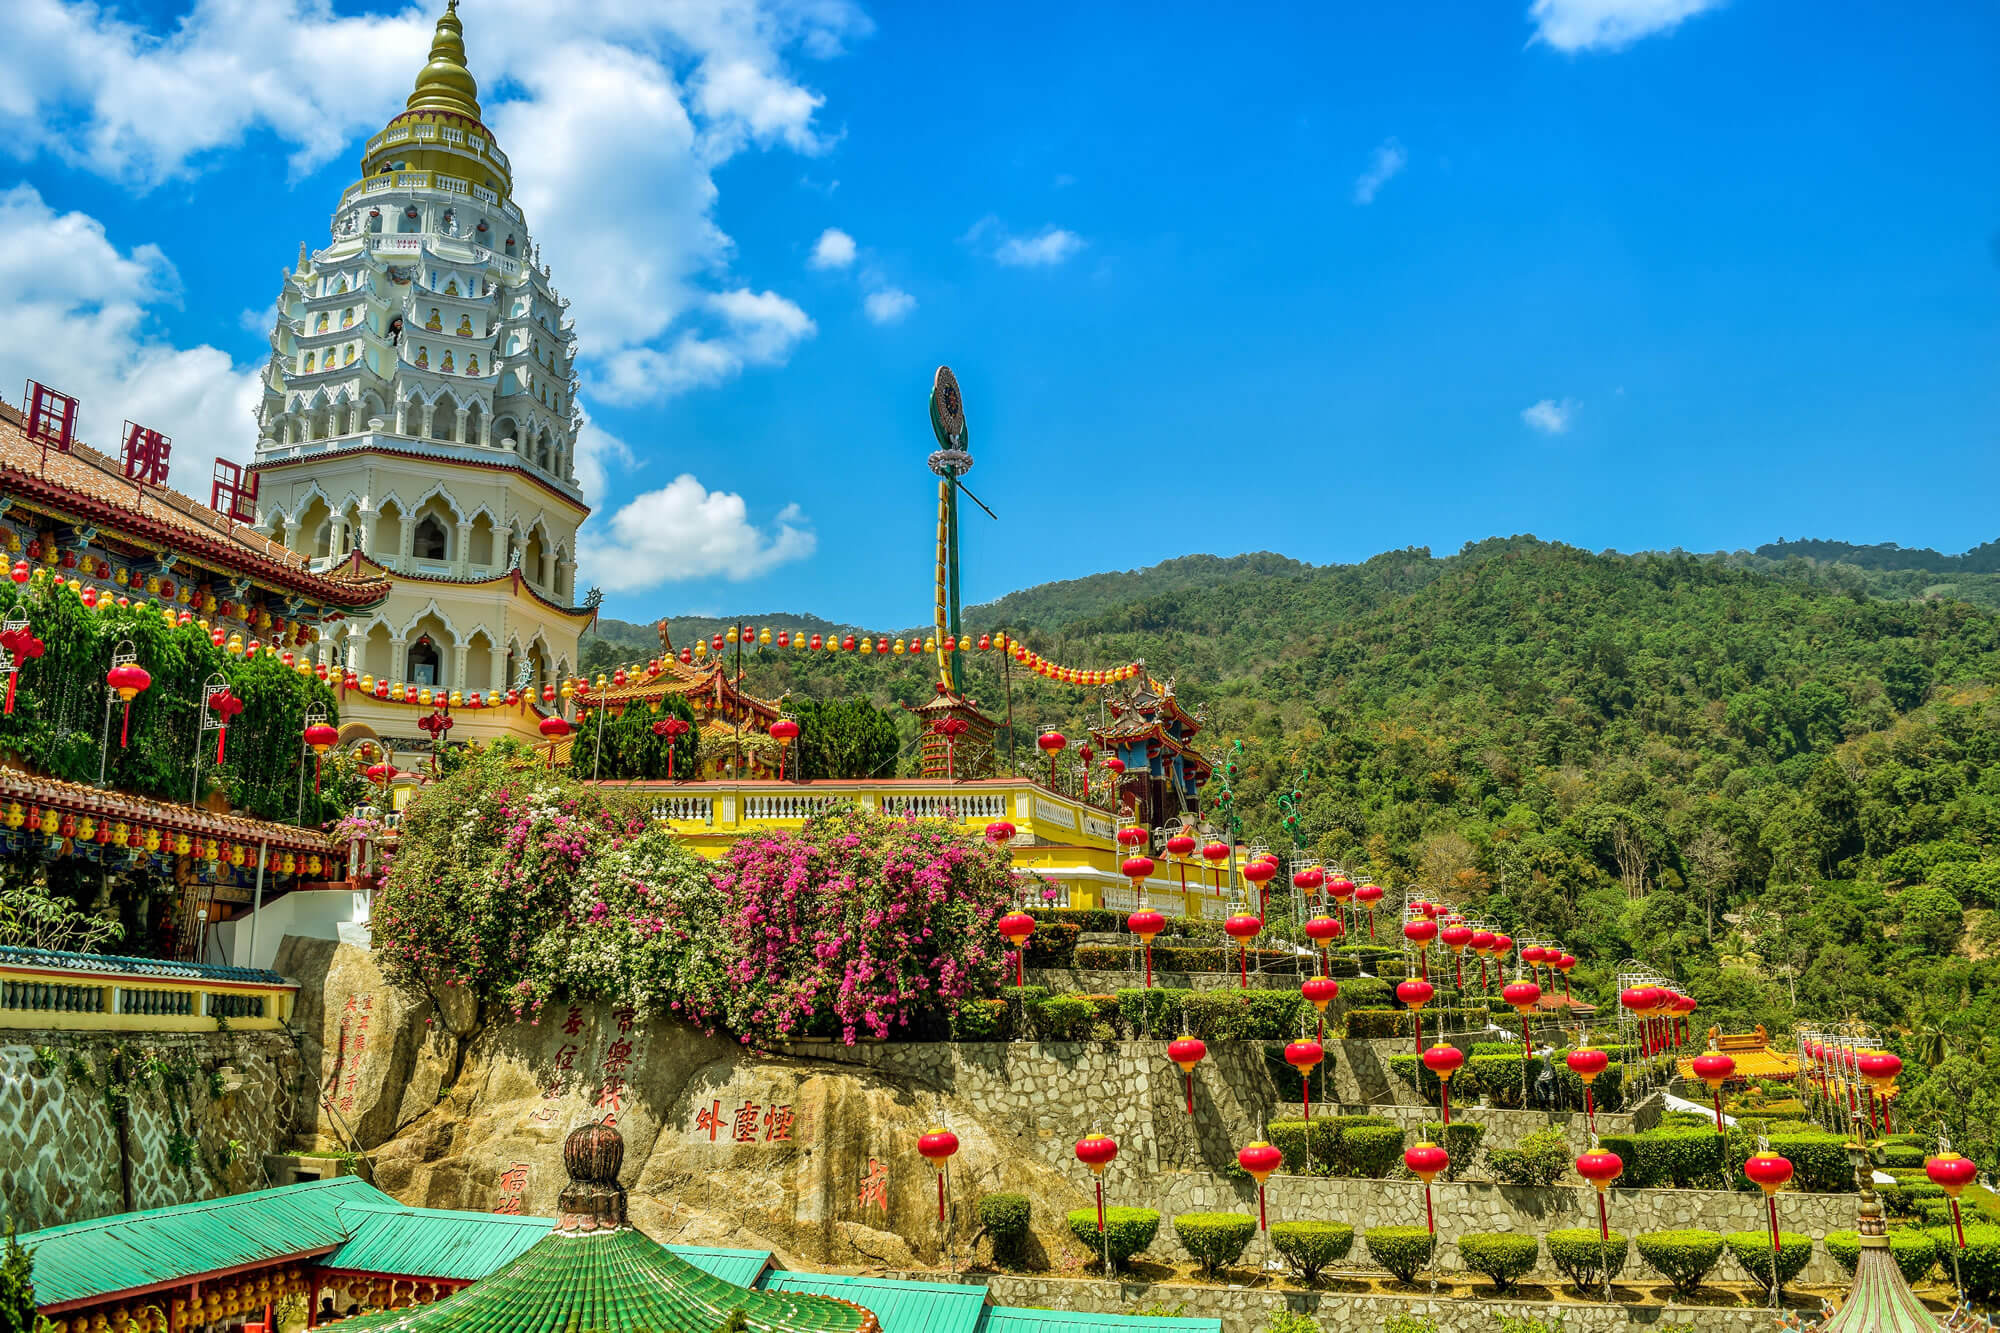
[[55, 1115], [1059, 1091], [1246, 1310]]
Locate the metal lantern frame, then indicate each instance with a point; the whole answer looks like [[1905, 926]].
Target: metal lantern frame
[[1836, 1072], [1631, 1030], [123, 654]]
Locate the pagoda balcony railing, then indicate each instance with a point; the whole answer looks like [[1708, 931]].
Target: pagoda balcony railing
[[948, 805], [685, 809], [727, 808], [789, 807], [47, 989]]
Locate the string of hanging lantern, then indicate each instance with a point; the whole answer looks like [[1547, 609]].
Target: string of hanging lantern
[[882, 647]]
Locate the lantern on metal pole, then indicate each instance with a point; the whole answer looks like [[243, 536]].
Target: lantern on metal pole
[[1187, 1052], [1880, 1069], [1587, 1062], [1415, 994], [1304, 1057], [1320, 992], [1096, 1151], [786, 730], [1258, 1161], [1420, 931], [1443, 1060], [1769, 1172], [1145, 923], [1052, 743], [1715, 1069], [1455, 937], [1524, 997], [1600, 1167], [937, 1148], [1015, 928], [1243, 928], [1952, 1173], [1427, 1161], [124, 682], [1367, 896], [1323, 931]]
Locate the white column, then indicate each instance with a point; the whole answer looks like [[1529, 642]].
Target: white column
[[408, 541], [402, 416], [463, 556], [459, 433], [398, 658], [458, 680], [430, 415]]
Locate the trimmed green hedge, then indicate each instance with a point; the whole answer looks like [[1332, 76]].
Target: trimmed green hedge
[[1005, 1218], [1127, 1231], [1819, 1160], [1252, 1015], [1900, 1155], [1063, 1018], [1179, 958], [1309, 1248], [982, 1020], [1154, 1012], [1538, 1159], [1504, 1256], [1914, 1252], [1587, 1262], [1104, 921], [1389, 1023], [1978, 1262], [1460, 1140], [1607, 1091], [1684, 1157], [1216, 1240], [1367, 993], [1404, 1251], [1052, 945], [1683, 1258], [1753, 1250], [1342, 1145], [1498, 1077]]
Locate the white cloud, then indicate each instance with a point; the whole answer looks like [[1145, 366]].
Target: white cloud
[[1608, 25], [597, 452], [1050, 246], [741, 328], [686, 531], [888, 305], [1384, 165], [834, 249], [74, 314], [1549, 416]]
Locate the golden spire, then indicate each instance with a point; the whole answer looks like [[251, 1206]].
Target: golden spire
[[445, 84]]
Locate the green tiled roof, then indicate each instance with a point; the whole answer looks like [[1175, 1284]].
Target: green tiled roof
[[903, 1307], [1003, 1319], [1880, 1301], [743, 1267], [432, 1242], [611, 1282], [134, 1251]]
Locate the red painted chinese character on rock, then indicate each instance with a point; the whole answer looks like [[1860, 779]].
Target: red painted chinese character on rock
[[875, 1185], [710, 1119], [746, 1122]]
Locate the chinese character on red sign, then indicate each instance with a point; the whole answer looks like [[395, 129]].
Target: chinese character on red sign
[[778, 1125], [234, 492], [875, 1185], [710, 1119], [50, 418], [746, 1122], [146, 452]]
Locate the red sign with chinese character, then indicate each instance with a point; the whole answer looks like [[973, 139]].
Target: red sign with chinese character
[[146, 452], [234, 494], [50, 418]]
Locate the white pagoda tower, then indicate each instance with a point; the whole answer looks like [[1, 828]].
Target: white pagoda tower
[[419, 417]]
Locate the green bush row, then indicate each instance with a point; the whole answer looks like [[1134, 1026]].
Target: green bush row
[[1338, 1145], [1914, 1252], [1387, 1023], [1184, 958], [1004, 1217], [1127, 1231]]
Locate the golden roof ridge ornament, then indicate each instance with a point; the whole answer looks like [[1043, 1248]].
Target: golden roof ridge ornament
[[445, 84]]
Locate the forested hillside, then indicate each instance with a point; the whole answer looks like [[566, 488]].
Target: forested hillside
[[1778, 787]]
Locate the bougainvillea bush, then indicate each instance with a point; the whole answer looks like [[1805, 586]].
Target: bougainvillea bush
[[859, 924], [489, 861]]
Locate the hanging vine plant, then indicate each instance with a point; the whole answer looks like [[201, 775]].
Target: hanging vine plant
[[58, 726]]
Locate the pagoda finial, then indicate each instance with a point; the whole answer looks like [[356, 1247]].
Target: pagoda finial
[[445, 84]]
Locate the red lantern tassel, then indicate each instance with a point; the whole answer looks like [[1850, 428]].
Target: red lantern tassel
[[940, 1196], [11, 675], [125, 727], [221, 735]]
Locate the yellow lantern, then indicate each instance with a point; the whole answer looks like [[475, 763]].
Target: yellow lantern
[[238, 854], [700, 648], [14, 543], [930, 643], [168, 617], [568, 690], [235, 645], [867, 645], [898, 648], [457, 699], [211, 850], [183, 844], [152, 840], [764, 635], [368, 684], [49, 820], [153, 585], [120, 576], [312, 863], [288, 864], [603, 682], [396, 692], [424, 696], [16, 816], [86, 828]]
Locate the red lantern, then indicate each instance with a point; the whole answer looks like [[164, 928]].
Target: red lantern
[[1443, 1060], [22, 647], [1258, 1161], [1323, 931], [1455, 938], [380, 774], [1144, 923], [554, 728], [1015, 928], [1427, 1161], [784, 731], [1367, 896], [1421, 932], [1309, 879], [1096, 1151], [320, 738], [1880, 1069], [127, 681], [225, 706], [1319, 993], [1000, 831], [1600, 1168], [1305, 1056], [1340, 888], [1187, 1052], [1243, 928], [1180, 845], [937, 1148], [1952, 1173], [1052, 743], [1587, 1062], [1769, 1172], [1714, 1069], [1415, 994]]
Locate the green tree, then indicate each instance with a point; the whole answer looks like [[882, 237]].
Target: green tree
[[844, 738], [17, 1286]]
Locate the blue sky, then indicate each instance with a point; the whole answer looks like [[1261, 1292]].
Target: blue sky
[[1320, 279]]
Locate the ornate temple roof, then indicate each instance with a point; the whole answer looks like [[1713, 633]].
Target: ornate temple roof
[[596, 1272], [1880, 1300], [88, 486]]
